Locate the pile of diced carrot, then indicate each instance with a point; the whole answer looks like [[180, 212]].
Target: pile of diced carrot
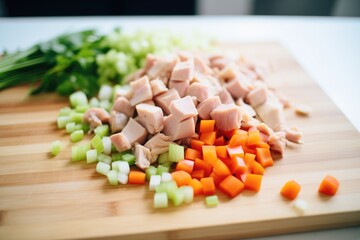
[[229, 161]]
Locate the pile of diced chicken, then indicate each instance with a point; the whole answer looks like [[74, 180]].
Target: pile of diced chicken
[[164, 100]]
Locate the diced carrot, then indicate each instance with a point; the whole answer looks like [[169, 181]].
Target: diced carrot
[[207, 126], [231, 186], [253, 182], [201, 164], [329, 186], [290, 190], [217, 179], [249, 150], [238, 139], [181, 178], [227, 161], [192, 154], [241, 177], [263, 156], [221, 151], [196, 144], [209, 154], [208, 138], [197, 186], [208, 186], [257, 168], [185, 165], [238, 166], [249, 159], [235, 151], [231, 133], [136, 177], [221, 169], [220, 141], [254, 137], [198, 174], [261, 145]]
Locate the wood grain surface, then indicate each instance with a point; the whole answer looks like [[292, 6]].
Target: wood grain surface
[[53, 198]]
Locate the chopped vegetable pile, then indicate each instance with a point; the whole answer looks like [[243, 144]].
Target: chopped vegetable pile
[[188, 123]]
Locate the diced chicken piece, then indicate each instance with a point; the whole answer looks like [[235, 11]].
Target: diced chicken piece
[[142, 91], [293, 135], [185, 56], [277, 142], [180, 86], [229, 72], [227, 117], [271, 112], [123, 105], [219, 63], [256, 96], [164, 100], [199, 90], [183, 108], [134, 132], [135, 75], [195, 101], [157, 145], [225, 96], [96, 117], [263, 128], [200, 66], [123, 91], [239, 87], [246, 107], [157, 87], [303, 110], [143, 157], [151, 117], [150, 60], [183, 71], [162, 68], [206, 107], [118, 121], [150, 102], [178, 130], [120, 141], [284, 100]]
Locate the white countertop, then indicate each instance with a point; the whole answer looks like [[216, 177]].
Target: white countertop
[[327, 48]]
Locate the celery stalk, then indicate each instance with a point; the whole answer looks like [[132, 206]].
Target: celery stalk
[[160, 200], [79, 152], [150, 171], [97, 143], [112, 177], [77, 135], [211, 201], [102, 130], [55, 148], [102, 168], [176, 152]]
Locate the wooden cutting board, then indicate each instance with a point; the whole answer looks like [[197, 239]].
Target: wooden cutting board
[[46, 198]]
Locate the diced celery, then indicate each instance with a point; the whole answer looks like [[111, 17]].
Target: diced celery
[[102, 130], [55, 148], [105, 92], [113, 148], [82, 126], [168, 187], [116, 157], [123, 167], [178, 197], [94, 102], [161, 169], [70, 127], [211, 201], [160, 200], [162, 158], [62, 121], [166, 177], [82, 108], [167, 164], [105, 104], [107, 145], [102, 168], [97, 143], [150, 171], [176, 152], [188, 193], [91, 156], [130, 158], [155, 181], [79, 152], [76, 117], [104, 158], [64, 111], [78, 98], [123, 178], [77, 135], [115, 166], [112, 176]]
